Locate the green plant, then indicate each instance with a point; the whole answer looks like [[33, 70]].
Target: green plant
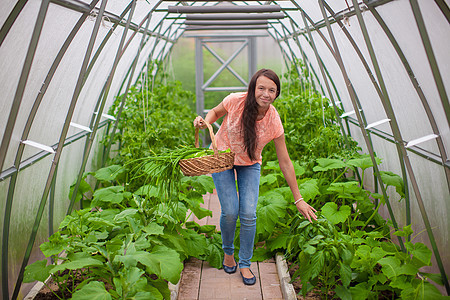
[[323, 252], [128, 242]]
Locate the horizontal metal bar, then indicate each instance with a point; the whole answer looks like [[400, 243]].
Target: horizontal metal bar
[[230, 88], [236, 16], [243, 27], [42, 154], [207, 40], [223, 9], [346, 13], [433, 157], [226, 35], [226, 22], [84, 8], [226, 1]]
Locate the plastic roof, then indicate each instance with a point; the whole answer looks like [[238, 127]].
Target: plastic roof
[[385, 63]]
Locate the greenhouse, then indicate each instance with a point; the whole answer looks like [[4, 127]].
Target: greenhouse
[[99, 99]]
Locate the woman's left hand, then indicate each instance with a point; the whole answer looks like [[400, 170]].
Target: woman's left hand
[[306, 210]]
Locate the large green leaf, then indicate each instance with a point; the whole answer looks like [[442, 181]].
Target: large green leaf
[[422, 290], [202, 184], [317, 263], [268, 179], [333, 214], [299, 170], [195, 243], [162, 261], [214, 251], [280, 242], [54, 246], [346, 274], [343, 293], [83, 188], [194, 199], [124, 214], [421, 253], [110, 173], [394, 180], [309, 188], [261, 254], [325, 164], [77, 263], [363, 162], [273, 165], [154, 229], [112, 194], [405, 232], [37, 271], [94, 290], [270, 208], [361, 291], [390, 266], [343, 188]]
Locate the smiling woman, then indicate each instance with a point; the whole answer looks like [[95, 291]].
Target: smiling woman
[[250, 122]]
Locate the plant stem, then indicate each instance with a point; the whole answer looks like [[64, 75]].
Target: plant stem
[[372, 215]]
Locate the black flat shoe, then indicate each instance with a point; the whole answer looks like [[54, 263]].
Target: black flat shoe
[[249, 281], [230, 270]]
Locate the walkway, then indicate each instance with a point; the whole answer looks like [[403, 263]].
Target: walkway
[[201, 281]]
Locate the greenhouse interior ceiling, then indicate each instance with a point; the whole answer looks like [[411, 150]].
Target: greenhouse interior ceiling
[[379, 69]]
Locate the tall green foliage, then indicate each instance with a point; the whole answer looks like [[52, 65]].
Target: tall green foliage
[[132, 236], [153, 119], [347, 253], [309, 124]]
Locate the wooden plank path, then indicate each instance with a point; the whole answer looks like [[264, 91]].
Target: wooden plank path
[[201, 281]]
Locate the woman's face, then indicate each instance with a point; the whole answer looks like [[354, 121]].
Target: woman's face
[[265, 92]]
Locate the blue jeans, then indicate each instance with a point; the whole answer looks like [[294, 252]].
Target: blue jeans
[[238, 202]]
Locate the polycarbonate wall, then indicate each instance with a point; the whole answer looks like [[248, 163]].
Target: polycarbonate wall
[[378, 60]]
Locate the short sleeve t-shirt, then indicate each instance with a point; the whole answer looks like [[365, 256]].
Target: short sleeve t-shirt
[[230, 135]]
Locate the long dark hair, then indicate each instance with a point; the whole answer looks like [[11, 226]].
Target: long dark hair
[[250, 113]]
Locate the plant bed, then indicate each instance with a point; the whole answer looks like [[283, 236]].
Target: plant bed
[[51, 290], [312, 295]]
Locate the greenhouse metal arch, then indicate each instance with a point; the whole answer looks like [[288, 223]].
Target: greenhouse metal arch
[[383, 65]]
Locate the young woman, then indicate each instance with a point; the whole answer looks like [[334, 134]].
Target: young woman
[[250, 122]]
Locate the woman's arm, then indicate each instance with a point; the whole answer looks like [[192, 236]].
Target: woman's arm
[[288, 171], [212, 116]]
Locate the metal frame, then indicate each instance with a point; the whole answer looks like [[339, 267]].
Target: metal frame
[[202, 86], [182, 23], [57, 154], [223, 9]]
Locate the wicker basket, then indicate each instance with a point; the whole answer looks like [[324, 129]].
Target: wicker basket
[[208, 164]]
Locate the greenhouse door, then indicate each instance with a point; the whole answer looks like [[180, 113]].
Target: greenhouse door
[[202, 86]]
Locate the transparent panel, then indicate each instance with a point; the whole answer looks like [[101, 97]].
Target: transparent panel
[[404, 29]]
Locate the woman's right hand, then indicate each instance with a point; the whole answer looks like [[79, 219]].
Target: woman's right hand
[[199, 122]]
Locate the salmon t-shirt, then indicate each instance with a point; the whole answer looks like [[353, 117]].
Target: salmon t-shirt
[[230, 135]]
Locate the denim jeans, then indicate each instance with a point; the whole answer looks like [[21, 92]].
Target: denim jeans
[[238, 202]]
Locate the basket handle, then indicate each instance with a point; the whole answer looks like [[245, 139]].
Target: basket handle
[[211, 134]]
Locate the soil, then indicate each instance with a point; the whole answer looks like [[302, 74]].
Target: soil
[[48, 293]]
